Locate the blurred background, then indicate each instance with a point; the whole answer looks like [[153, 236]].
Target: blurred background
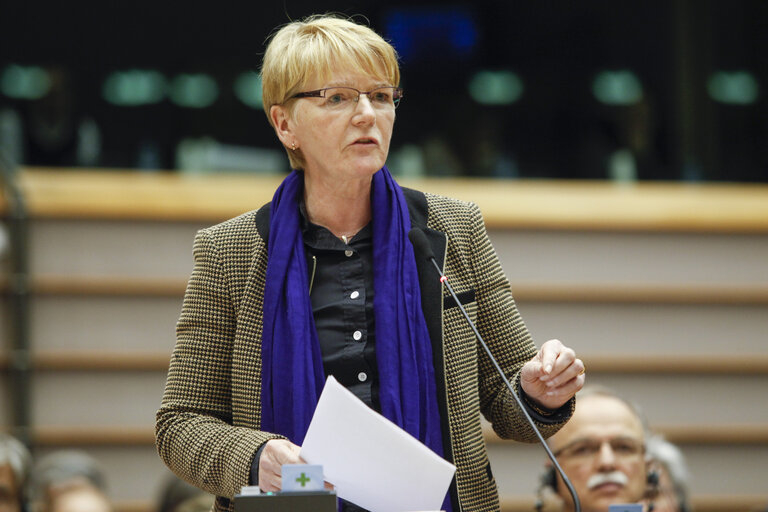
[[647, 90], [633, 224]]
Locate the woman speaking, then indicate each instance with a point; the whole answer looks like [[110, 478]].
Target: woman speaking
[[324, 281]]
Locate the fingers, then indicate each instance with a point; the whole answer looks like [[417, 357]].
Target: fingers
[[549, 354], [554, 375], [555, 357], [567, 388], [276, 453], [566, 368], [556, 397]]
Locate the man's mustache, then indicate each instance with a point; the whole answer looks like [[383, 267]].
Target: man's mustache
[[614, 477]]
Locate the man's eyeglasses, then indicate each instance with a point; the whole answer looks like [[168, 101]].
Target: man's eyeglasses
[[341, 98], [622, 447]]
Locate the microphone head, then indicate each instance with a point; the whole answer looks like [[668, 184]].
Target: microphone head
[[420, 244]]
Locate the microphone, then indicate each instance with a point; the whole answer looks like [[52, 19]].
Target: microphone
[[421, 247]]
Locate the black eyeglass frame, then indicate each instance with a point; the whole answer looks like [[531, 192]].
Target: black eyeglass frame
[[397, 93]]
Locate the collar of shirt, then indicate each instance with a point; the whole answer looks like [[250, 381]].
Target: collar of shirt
[[319, 237]]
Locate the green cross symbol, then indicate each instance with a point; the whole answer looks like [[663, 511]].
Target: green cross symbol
[[303, 479]]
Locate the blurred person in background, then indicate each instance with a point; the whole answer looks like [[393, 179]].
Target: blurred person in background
[[176, 495], [68, 481], [79, 499], [15, 463], [673, 474], [602, 452]]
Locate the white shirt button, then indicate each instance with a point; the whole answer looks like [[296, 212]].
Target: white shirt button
[[355, 294], [357, 335], [348, 253], [362, 376]]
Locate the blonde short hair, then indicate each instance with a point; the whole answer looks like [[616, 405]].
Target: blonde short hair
[[312, 48]]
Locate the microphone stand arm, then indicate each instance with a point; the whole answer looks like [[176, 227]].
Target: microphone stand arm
[[444, 280]]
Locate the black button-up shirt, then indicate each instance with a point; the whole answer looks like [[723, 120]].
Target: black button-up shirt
[[341, 292]]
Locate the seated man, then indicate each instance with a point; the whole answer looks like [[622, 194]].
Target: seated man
[[602, 451], [14, 468]]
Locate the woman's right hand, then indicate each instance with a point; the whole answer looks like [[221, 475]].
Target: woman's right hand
[[276, 453]]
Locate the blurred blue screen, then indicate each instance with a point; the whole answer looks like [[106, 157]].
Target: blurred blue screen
[[430, 33]]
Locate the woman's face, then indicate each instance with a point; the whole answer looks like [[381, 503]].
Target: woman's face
[[341, 142]]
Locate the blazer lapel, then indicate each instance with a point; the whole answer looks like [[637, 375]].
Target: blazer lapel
[[431, 287]]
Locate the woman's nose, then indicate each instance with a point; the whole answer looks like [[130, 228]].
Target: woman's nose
[[364, 110]]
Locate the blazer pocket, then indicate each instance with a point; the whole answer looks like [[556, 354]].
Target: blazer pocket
[[464, 298]]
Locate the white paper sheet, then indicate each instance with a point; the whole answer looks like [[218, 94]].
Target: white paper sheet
[[371, 461]]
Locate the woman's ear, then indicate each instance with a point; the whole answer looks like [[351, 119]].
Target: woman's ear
[[281, 120]]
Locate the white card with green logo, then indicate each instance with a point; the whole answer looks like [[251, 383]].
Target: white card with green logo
[[302, 477]]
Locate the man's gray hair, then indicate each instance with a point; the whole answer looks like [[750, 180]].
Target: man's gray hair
[[670, 456]]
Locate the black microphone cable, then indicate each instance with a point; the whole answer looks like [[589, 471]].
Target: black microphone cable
[[421, 245]]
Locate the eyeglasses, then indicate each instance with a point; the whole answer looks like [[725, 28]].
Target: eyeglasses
[[582, 450], [342, 98]]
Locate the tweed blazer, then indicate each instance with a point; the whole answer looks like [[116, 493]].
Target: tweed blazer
[[207, 428]]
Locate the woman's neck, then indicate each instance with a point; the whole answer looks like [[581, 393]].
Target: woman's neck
[[343, 209]]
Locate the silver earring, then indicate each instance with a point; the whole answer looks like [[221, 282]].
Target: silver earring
[[293, 146]]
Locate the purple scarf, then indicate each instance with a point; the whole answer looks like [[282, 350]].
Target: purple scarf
[[292, 367]]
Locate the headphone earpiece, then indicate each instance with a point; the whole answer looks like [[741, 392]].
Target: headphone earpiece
[[549, 478], [652, 479]]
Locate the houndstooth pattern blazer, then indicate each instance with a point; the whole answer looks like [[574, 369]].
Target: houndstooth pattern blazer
[[207, 428]]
